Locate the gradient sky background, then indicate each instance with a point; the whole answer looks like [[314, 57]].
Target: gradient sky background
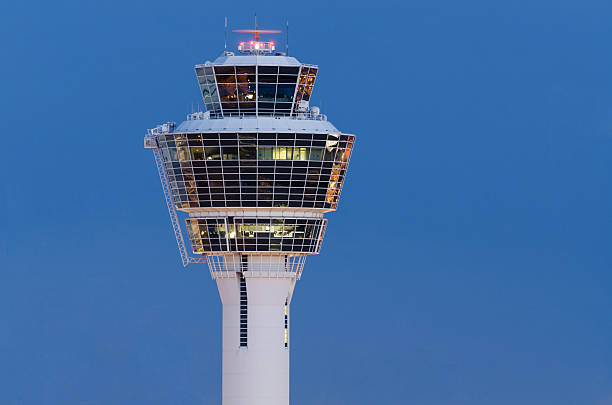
[[470, 260]]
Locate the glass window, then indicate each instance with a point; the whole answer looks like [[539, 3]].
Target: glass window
[[229, 138], [267, 92], [301, 153], [248, 152], [265, 153], [287, 79], [330, 154], [285, 92], [268, 70], [205, 91], [285, 70], [230, 107], [212, 89], [213, 153], [267, 78], [245, 69], [226, 79], [304, 76], [307, 91], [210, 80], [197, 153], [230, 153], [245, 78], [227, 92], [248, 139], [246, 92], [224, 70], [284, 174], [300, 91], [211, 139], [167, 156], [280, 153], [316, 154], [183, 152]]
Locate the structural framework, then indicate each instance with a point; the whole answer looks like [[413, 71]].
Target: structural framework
[[254, 176]]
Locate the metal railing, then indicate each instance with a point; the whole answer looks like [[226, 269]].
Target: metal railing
[[218, 115], [226, 266]]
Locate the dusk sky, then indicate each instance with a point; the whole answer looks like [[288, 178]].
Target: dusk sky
[[470, 259]]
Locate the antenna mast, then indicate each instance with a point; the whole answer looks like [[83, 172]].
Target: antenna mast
[[287, 35], [225, 45], [256, 33]]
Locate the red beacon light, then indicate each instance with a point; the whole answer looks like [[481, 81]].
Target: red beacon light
[[257, 47]]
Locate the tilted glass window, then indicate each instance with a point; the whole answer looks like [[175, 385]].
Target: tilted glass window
[[206, 81], [306, 82], [296, 235], [256, 170], [250, 90]]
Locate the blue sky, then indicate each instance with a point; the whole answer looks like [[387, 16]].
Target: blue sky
[[469, 262]]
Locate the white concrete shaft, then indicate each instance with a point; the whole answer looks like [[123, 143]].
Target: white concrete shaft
[[257, 374]]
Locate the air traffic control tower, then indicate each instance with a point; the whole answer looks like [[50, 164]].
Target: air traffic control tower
[[254, 176]]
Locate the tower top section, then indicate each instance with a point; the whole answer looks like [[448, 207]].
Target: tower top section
[[260, 82], [256, 84]]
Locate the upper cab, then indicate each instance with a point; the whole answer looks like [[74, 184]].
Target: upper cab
[[257, 83]]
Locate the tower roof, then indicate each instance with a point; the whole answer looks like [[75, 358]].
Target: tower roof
[[257, 124], [269, 60]]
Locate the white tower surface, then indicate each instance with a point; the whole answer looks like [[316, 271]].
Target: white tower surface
[[254, 176]]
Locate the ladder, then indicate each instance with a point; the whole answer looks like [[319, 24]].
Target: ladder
[[151, 143]]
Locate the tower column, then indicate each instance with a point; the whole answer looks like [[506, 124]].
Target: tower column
[[255, 330]]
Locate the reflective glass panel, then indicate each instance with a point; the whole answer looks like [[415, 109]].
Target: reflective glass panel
[[246, 91], [285, 92], [245, 70], [226, 79], [256, 170], [285, 70], [224, 70], [267, 69], [287, 79], [227, 92], [268, 78], [267, 92]]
